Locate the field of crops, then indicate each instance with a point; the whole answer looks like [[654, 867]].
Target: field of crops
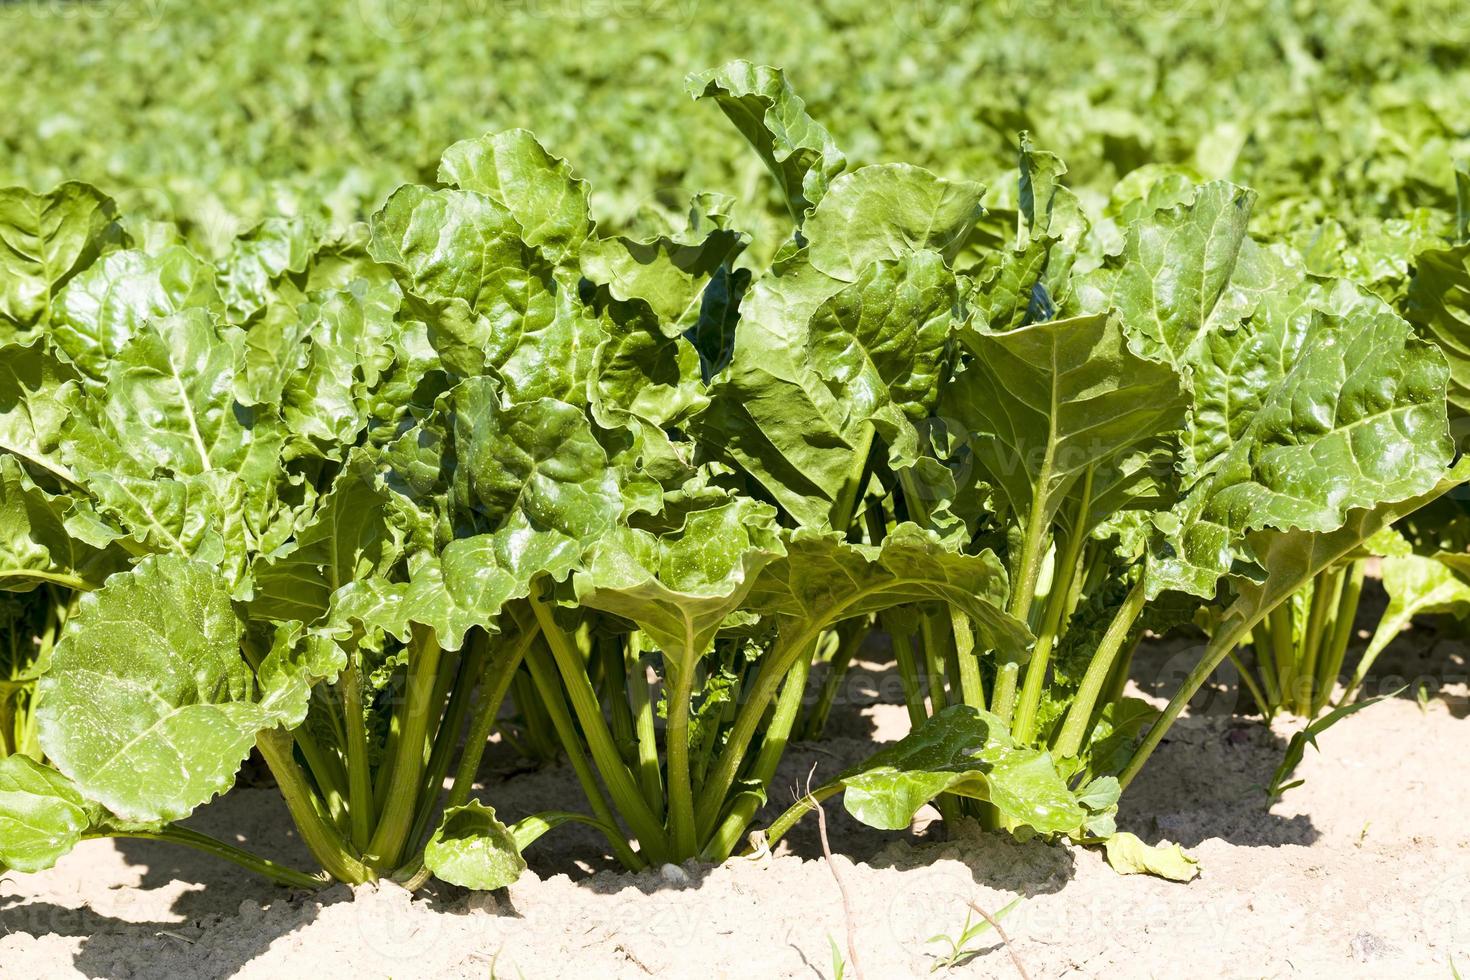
[[640, 487]]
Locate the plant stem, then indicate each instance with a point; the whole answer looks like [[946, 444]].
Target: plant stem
[[972, 686], [543, 674], [493, 688], [361, 808], [266, 868], [1283, 648], [615, 689], [851, 633], [1261, 643], [680, 679], [1233, 630], [385, 849], [791, 645], [929, 642], [1099, 669], [1324, 598], [605, 756], [1257, 694], [1342, 634], [908, 671], [783, 824], [723, 842], [318, 833], [650, 778], [446, 739], [1064, 576]]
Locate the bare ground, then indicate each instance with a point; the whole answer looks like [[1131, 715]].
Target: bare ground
[[1363, 871]]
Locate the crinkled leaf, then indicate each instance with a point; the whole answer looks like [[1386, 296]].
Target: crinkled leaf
[[101, 309], [824, 579], [473, 849], [42, 816], [45, 239], [967, 752], [884, 212], [512, 168], [797, 151], [148, 706], [1130, 856]]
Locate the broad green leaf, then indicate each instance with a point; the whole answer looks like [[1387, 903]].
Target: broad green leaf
[[1417, 585], [36, 544], [1439, 305], [680, 586], [490, 300], [32, 407], [513, 169], [881, 344], [45, 239], [347, 538], [539, 489], [1358, 420], [797, 151], [473, 849], [967, 752], [148, 706], [639, 371], [168, 453], [1173, 284], [330, 401], [41, 815], [1130, 856], [103, 307], [824, 580], [1042, 405], [882, 213], [272, 250]]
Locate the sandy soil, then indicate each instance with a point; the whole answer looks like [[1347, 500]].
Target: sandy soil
[[1364, 871]]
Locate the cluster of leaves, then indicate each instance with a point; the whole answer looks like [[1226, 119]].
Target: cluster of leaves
[[334, 496]]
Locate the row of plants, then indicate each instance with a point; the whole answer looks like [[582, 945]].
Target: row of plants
[[340, 497]]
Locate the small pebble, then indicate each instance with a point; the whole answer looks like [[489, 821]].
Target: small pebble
[[673, 874]]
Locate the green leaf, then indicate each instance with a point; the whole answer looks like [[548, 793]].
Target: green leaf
[[491, 301], [1130, 856], [798, 152], [881, 345], [679, 587], [669, 272], [1296, 749], [884, 212], [1042, 405], [36, 544], [824, 579], [42, 816], [148, 706], [45, 239], [967, 752], [1439, 305], [538, 189], [472, 848], [1357, 420], [1173, 284], [1416, 586], [348, 537], [102, 308], [32, 407]]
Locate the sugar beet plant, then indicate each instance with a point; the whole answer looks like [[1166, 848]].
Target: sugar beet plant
[[333, 498]]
